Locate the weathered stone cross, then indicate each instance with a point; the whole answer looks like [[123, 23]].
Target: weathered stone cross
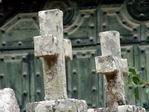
[[111, 64], [53, 49]]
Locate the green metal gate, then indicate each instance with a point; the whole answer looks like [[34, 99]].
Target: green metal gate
[[21, 71]]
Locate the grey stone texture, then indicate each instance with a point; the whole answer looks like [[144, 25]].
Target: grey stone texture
[[122, 108], [68, 49], [45, 46], [53, 49], [112, 66], [8, 102], [110, 43], [61, 105], [109, 64]]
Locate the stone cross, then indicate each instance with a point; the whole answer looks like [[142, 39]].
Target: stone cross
[[112, 66], [53, 49]]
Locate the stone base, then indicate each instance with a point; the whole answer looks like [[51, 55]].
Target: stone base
[[123, 108], [8, 102], [61, 105]]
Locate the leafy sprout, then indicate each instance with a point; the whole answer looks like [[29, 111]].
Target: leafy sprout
[[135, 82]]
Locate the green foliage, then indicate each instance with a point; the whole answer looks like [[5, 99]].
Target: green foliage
[[134, 81]]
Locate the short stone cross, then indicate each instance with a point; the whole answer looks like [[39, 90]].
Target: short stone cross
[[53, 49], [112, 66]]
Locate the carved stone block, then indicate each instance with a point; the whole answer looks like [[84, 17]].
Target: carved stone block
[[63, 105]]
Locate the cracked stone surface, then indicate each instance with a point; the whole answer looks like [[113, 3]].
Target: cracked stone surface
[[113, 67], [53, 49], [8, 102], [61, 105], [122, 108]]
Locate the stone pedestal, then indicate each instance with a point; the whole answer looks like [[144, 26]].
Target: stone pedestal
[[8, 102], [122, 108], [61, 105]]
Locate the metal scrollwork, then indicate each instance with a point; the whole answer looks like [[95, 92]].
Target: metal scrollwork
[[138, 9]]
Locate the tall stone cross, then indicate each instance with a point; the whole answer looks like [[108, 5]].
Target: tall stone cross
[[112, 66], [53, 49]]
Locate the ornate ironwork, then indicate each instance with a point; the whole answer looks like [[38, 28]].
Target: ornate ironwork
[[138, 9]]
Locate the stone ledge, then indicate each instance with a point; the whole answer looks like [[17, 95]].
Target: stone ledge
[[61, 105], [123, 108]]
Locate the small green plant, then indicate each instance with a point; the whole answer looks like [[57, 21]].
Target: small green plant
[[135, 82]]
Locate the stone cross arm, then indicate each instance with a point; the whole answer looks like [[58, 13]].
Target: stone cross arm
[[68, 49], [47, 46], [110, 64]]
